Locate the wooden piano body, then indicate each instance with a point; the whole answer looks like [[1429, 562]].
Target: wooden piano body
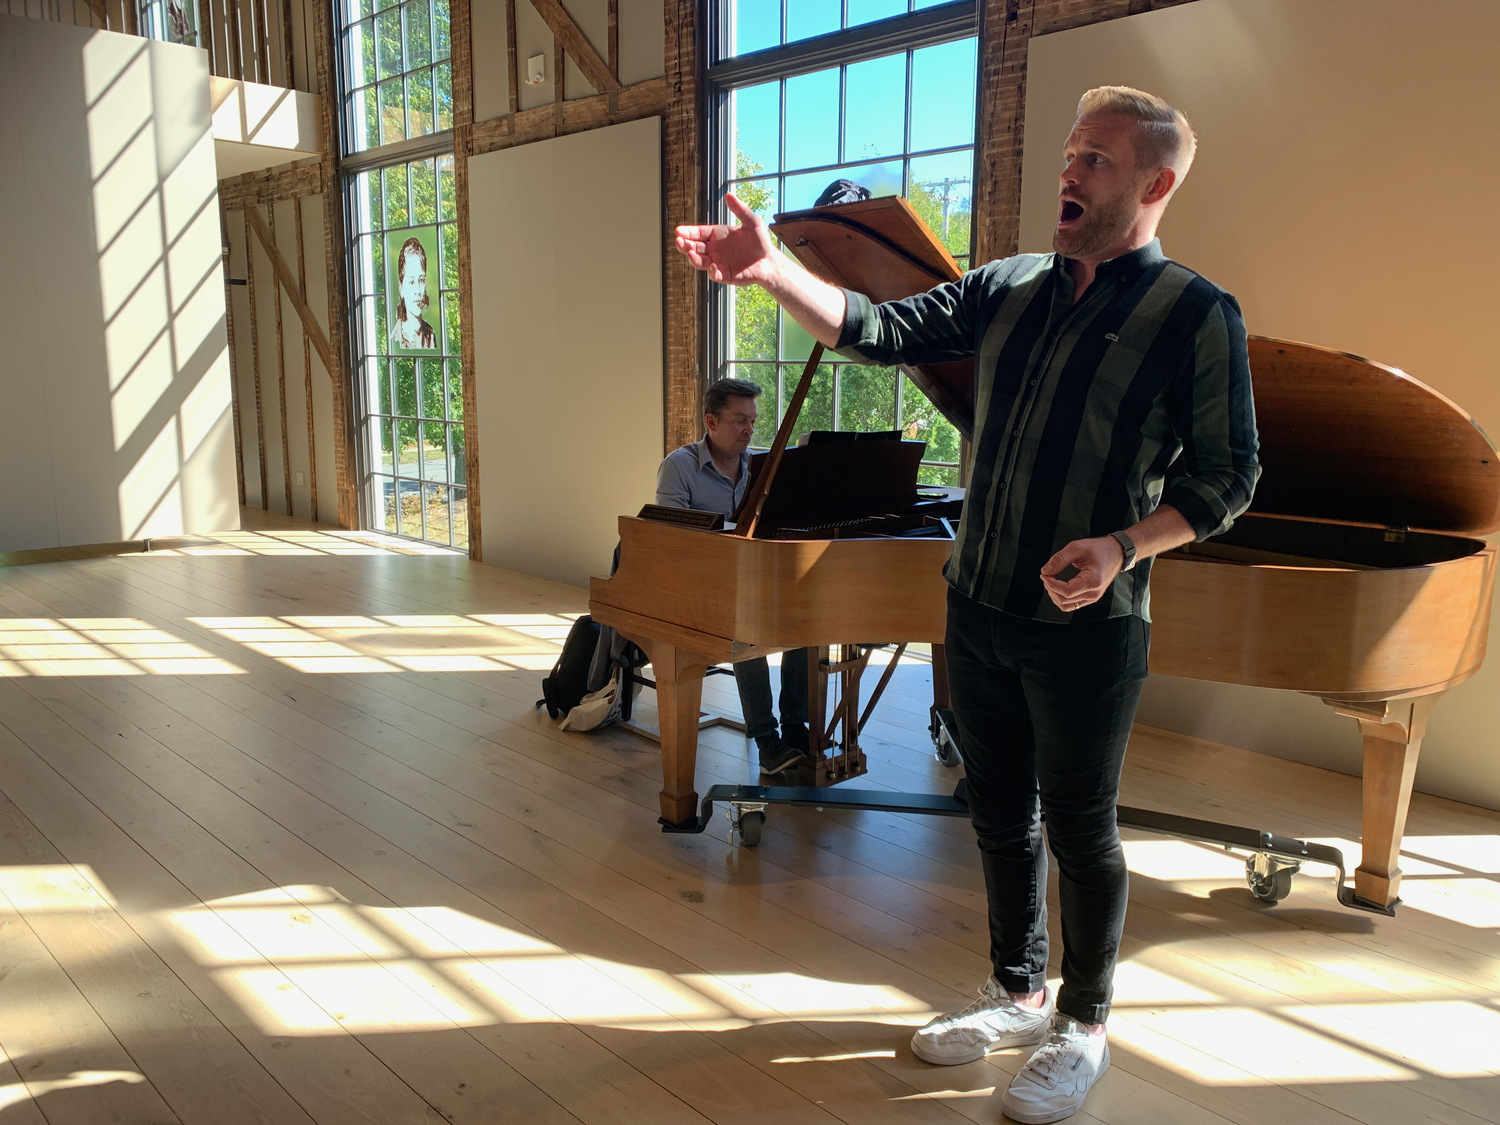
[[1357, 576]]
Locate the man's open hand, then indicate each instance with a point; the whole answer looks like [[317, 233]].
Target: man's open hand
[[732, 255], [1098, 562]]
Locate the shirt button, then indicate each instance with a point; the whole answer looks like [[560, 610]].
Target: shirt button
[[994, 535], [1002, 486], [1033, 382], [1015, 433]]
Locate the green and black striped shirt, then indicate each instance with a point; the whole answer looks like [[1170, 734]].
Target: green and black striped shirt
[[1087, 416]]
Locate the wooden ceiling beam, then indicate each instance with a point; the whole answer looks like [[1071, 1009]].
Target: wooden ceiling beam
[[577, 45]]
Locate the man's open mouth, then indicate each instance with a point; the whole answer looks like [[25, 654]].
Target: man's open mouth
[[1070, 211]]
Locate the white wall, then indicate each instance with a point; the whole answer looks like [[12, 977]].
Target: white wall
[[1344, 192], [114, 369], [566, 237]]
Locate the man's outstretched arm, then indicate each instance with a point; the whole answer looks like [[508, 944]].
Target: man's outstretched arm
[[743, 255]]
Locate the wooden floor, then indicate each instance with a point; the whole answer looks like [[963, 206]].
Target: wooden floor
[[283, 839]]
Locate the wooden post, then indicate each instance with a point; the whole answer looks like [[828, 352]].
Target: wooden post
[[461, 22], [307, 386], [234, 381], [260, 415], [286, 437], [684, 287]]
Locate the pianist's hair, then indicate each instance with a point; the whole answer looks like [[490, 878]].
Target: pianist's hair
[[1164, 139], [719, 392]]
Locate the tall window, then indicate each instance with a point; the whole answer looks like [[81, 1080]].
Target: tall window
[[868, 91], [403, 277]]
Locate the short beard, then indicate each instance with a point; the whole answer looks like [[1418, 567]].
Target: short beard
[[1103, 226]]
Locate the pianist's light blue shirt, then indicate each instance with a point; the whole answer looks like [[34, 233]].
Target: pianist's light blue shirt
[[688, 478]]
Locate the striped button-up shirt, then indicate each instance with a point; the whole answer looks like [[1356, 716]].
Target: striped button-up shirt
[[1087, 415]]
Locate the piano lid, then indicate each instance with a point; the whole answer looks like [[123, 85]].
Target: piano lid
[[881, 248], [1342, 438]]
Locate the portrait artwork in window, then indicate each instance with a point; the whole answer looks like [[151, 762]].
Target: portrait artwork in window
[[410, 254]]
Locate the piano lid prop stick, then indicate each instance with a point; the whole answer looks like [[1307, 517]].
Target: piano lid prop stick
[[750, 517]]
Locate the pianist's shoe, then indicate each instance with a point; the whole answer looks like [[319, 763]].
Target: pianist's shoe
[[795, 736], [1054, 1082], [989, 1023], [776, 755]]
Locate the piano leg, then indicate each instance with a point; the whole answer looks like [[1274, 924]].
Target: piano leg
[[679, 693], [1392, 731]]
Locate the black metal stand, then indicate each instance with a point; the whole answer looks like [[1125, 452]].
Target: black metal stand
[[1274, 859]]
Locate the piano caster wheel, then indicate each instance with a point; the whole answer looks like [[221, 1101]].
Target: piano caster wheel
[[1270, 878], [746, 820], [945, 739]]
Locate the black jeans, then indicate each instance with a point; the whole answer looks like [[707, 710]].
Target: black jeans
[[1044, 712], [753, 678]]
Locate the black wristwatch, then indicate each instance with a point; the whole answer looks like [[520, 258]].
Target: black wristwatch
[[1127, 545]]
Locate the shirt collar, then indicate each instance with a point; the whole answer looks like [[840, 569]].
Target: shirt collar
[[1125, 268], [706, 457]]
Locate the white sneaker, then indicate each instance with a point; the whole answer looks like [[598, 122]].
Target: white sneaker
[[1053, 1084], [989, 1023]]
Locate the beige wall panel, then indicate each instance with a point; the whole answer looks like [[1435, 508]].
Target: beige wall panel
[[265, 314], [642, 36], [491, 75], [296, 380], [568, 344], [111, 169], [1337, 193], [244, 387]]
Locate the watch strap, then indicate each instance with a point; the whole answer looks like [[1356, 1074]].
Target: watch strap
[[1127, 545]]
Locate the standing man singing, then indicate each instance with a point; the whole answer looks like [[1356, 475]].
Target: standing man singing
[[1098, 368]]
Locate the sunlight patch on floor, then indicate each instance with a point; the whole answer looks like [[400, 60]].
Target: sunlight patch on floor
[[100, 646]]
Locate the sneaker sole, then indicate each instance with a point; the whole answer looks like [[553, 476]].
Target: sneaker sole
[[1019, 1040], [1047, 1117], [786, 762]]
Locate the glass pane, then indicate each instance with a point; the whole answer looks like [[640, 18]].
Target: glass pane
[[449, 235], [942, 95], [796, 342], [921, 421], [754, 25], [362, 54], [867, 398], [431, 375], [881, 179], [756, 115], [380, 389], [806, 18], [406, 447], [875, 108], [442, 40], [418, 34], [394, 182], [392, 111], [367, 130], [939, 191], [434, 451], [761, 196], [447, 189], [455, 389], [754, 335], [406, 386], [442, 81], [460, 517], [419, 103], [385, 503], [817, 408], [458, 468], [372, 200], [378, 341], [867, 11], [388, 43], [357, 8], [409, 508], [423, 192], [452, 333], [387, 449], [435, 500], [812, 119]]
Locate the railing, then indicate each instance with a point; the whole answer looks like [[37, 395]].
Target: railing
[[266, 41]]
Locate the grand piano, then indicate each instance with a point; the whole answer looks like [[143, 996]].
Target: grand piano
[[1356, 577]]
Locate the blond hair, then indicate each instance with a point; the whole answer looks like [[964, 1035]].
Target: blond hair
[[1164, 139]]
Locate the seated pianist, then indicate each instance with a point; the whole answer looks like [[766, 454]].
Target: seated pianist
[[711, 475]]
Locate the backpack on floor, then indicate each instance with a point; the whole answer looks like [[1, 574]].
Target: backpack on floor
[[565, 688]]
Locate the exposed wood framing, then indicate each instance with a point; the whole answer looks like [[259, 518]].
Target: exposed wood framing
[[513, 65], [650, 98], [571, 38], [273, 187], [559, 79], [260, 412], [206, 29], [460, 21], [288, 54], [685, 290], [234, 380], [614, 39], [284, 275], [346, 476], [262, 40], [233, 45], [307, 385], [286, 437]]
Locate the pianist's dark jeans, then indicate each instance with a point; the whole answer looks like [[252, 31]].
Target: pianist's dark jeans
[[753, 678], [1044, 712]]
